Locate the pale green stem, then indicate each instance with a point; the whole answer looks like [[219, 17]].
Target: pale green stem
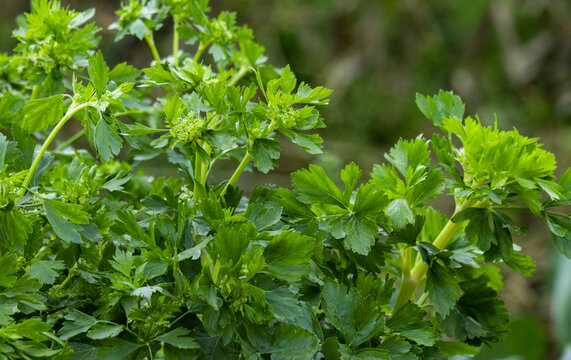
[[197, 172], [35, 91], [151, 43], [415, 277], [175, 40], [201, 47], [200, 168], [234, 179], [407, 261], [150, 351], [70, 112], [72, 272], [130, 112], [240, 74], [204, 170]]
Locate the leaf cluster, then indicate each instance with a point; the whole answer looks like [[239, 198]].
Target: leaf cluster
[[100, 260]]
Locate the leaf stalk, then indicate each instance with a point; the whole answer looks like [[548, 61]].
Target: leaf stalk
[[68, 115], [240, 74], [238, 172], [175, 41], [151, 42], [411, 279]]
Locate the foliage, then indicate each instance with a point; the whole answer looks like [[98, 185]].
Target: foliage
[[99, 260]]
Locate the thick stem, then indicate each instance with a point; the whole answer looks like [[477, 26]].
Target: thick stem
[[70, 276], [204, 170], [70, 112], [35, 91], [197, 172], [175, 40], [240, 74], [411, 282], [151, 43], [201, 47], [407, 289], [407, 261], [239, 170]]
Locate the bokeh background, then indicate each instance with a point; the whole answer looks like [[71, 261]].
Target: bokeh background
[[505, 58]]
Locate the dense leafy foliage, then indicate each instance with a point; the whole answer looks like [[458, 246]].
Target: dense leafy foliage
[[99, 260]]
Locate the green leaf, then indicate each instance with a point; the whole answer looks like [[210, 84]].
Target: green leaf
[[360, 234], [39, 114], [311, 143], [332, 350], [478, 315], [83, 351], [18, 227], [8, 267], [430, 186], [314, 186], [357, 318], [103, 331], [287, 255], [478, 228], [291, 205], [77, 323], [408, 234], [123, 73], [146, 291], [139, 29], [266, 152], [10, 103], [287, 342], [443, 291], [126, 223], [563, 243], [398, 348], [369, 200], [107, 142], [3, 150], [503, 237], [409, 154], [551, 188], [231, 243], [386, 179], [350, 175], [521, 263], [263, 215], [98, 73], [284, 304], [44, 270], [116, 184], [122, 262], [63, 219], [179, 338], [408, 322], [173, 108], [6, 310], [307, 95], [448, 348], [399, 213], [72, 212], [117, 349], [366, 354], [194, 252], [139, 129], [443, 105]]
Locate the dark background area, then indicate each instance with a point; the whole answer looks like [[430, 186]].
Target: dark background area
[[505, 58]]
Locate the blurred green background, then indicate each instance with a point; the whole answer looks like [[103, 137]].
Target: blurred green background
[[505, 58]]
